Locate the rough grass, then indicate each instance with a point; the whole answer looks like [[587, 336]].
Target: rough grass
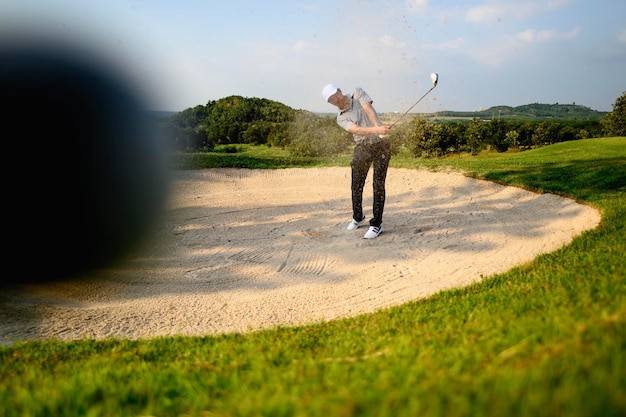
[[545, 339]]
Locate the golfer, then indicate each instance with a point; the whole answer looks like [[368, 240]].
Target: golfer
[[357, 116]]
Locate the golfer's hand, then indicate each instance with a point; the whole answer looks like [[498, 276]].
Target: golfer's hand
[[383, 131]]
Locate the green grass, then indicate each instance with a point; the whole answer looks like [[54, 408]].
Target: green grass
[[252, 157], [547, 338]]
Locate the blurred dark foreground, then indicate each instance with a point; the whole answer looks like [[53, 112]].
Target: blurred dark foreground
[[84, 173]]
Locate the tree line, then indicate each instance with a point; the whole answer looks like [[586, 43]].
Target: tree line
[[242, 120], [532, 111]]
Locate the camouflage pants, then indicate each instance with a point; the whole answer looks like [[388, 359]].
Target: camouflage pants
[[365, 155]]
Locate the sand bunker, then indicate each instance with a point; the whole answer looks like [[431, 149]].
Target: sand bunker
[[241, 250]]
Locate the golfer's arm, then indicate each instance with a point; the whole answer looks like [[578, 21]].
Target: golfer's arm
[[378, 128], [371, 113], [363, 130]]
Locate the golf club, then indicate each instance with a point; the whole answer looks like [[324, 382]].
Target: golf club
[[434, 78]]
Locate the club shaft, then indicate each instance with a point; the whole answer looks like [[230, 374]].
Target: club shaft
[[414, 104]]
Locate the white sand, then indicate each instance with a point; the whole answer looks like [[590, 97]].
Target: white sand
[[241, 250]]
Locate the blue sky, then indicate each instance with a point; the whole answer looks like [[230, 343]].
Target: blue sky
[[185, 53]]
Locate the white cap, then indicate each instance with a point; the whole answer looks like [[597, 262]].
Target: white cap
[[329, 90]]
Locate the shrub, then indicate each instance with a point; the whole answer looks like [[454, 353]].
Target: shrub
[[312, 135]]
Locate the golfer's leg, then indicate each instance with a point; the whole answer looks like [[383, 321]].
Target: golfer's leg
[[360, 165], [381, 163]]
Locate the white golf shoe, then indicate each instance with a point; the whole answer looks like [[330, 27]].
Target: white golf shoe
[[355, 224], [372, 232]]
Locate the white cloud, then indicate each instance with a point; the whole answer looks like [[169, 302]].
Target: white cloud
[[300, 46], [417, 5], [484, 14], [453, 44], [533, 36], [500, 12], [495, 54], [391, 42], [507, 49], [493, 11], [557, 4]]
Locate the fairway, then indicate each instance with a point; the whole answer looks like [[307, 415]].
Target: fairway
[[240, 250]]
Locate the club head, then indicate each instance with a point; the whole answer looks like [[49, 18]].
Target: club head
[[434, 77]]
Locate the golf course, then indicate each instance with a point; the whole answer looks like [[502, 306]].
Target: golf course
[[546, 336]]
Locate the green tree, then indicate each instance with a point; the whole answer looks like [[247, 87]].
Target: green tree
[[312, 135], [398, 138], [186, 131], [525, 132], [567, 133], [230, 120], [257, 132], [418, 137], [475, 136], [511, 138], [615, 121], [546, 133], [496, 135], [443, 139], [583, 134], [458, 130]]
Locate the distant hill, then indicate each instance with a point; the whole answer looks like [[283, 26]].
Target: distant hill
[[535, 111]]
